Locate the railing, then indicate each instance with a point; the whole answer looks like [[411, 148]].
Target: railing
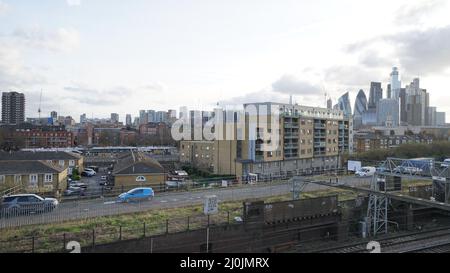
[[293, 126], [57, 241], [291, 146], [10, 191], [319, 125]]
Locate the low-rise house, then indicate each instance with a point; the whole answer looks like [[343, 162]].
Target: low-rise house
[[64, 160], [138, 169], [33, 176]]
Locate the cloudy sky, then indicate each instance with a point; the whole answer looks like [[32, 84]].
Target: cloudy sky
[[103, 56]]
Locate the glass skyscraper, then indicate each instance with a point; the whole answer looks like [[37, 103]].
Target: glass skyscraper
[[360, 109]]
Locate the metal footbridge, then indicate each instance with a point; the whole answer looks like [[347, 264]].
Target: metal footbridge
[[386, 186]]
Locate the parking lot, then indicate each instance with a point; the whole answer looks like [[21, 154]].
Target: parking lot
[[93, 184]]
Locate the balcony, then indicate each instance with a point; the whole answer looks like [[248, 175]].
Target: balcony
[[320, 144], [290, 136], [290, 155], [291, 126], [291, 146], [319, 125]]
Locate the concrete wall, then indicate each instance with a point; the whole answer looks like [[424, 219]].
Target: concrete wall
[[266, 228]]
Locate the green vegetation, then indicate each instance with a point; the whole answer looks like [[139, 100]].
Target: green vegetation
[[437, 150], [108, 228], [196, 174], [76, 175]]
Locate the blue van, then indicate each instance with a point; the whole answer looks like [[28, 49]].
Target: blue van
[[138, 194]]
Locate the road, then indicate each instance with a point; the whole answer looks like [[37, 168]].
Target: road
[[108, 206]]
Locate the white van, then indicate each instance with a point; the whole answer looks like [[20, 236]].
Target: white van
[[366, 172]]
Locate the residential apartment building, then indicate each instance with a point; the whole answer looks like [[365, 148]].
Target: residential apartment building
[[370, 141], [198, 154], [306, 139], [13, 108], [32, 136]]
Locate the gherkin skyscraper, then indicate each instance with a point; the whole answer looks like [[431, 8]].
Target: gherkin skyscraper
[[360, 109]]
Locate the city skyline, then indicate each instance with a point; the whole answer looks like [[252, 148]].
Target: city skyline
[[168, 61]]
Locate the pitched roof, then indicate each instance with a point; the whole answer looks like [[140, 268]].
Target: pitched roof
[[137, 163], [20, 156], [27, 167]]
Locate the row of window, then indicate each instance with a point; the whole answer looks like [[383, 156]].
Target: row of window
[[301, 161], [33, 178]]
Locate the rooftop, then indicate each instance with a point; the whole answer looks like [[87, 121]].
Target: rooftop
[[27, 167], [45, 155], [137, 163]]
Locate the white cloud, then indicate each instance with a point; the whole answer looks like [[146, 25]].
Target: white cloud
[[13, 71], [289, 84], [3, 8], [59, 40], [415, 13], [72, 3]]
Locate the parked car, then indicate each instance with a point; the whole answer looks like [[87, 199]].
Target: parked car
[[366, 172], [93, 168], [15, 205], [89, 170], [137, 194], [88, 173], [77, 184], [73, 191]]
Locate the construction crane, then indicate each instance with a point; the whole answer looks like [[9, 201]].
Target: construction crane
[[39, 109]]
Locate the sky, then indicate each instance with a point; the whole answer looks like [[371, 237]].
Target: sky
[[113, 56]]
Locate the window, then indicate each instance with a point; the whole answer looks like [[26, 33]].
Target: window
[[61, 163], [18, 179], [2, 179], [33, 180], [72, 163], [137, 192], [48, 178]]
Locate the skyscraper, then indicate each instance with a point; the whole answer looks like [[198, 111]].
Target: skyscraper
[[431, 116], [344, 105], [83, 118], [388, 113], [396, 84], [329, 103], [13, 108], [143, 117], [376, 94], [114, 118], [128, 120], [403, 113], [417, 103], [389, 92], [360, 109], [440, 118], [151, 115]]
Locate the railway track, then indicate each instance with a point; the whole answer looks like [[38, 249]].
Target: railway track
[[431, 241]]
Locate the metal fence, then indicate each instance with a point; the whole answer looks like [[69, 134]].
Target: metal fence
[[58, 241], [83, 209]]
